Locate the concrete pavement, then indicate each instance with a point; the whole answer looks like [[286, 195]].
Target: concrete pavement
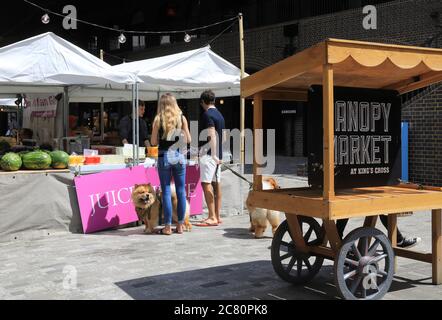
[[223, 262]]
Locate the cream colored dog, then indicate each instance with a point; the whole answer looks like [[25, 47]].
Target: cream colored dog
[[259, 217]]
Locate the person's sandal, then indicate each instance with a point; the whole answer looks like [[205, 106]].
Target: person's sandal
[[162, 232]]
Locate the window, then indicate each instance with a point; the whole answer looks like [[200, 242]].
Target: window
[[165, 39], [138, 42]]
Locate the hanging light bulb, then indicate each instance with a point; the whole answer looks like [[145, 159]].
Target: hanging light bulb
[[122, 38], [45, 18], [187, 37]]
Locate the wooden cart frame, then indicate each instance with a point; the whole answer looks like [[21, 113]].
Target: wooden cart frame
[[348, 64]]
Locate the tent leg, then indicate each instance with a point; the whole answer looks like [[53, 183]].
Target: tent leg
[[102, 120], [134, 116], [137, 132], [257, 148], [66, 111], [242, 105]]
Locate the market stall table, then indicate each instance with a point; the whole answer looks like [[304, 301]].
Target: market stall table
[[25, 172], [365, 256]]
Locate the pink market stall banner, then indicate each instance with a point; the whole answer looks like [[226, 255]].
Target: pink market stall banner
[[105, 198]]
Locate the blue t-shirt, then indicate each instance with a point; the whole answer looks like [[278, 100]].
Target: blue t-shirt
[[213, 118]]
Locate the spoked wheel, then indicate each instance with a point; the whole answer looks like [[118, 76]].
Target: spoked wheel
[[364, 266], [290, 264]]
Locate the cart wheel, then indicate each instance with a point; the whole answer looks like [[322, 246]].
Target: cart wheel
[[285, 256], [364, 266]]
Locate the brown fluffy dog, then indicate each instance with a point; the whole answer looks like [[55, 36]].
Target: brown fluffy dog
[[148, 205], [259, 217]]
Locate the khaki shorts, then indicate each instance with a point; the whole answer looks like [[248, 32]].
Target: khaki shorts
[[209, 170]]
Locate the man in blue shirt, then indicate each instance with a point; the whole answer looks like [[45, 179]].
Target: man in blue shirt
[[211, 157], [125, 128]]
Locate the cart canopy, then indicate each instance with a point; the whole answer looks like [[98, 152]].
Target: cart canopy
[[354, 63]]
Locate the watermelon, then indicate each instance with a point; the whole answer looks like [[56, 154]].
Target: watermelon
[[11, 162], [60, 159], [45, 151], [22, 153], [37, 160]]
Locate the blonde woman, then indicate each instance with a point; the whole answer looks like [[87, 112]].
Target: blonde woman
[[171, 134]]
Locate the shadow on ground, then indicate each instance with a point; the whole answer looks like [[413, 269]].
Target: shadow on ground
[[245, 281], [238, 233]]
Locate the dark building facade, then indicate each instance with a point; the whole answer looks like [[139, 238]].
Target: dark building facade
[[275, 29], [296, 25]]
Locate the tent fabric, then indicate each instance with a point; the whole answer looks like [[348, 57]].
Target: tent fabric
[[94, 95], [47, 63], [47, 59], [185, 74], [8, 102], [50, 204], [195, 69]]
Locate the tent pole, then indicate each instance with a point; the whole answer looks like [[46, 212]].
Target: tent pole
[[242, 107], [66, 111], [102, 119], [102, 105], [257, 148], [134, 116], [137, 135]]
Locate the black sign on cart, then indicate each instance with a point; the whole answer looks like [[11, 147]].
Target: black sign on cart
[[367, 137]]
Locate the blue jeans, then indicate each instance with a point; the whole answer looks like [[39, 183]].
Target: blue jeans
[[173, 164]]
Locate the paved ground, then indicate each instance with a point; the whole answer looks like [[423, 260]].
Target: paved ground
[[223, 262]]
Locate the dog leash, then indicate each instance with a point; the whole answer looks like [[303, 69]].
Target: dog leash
[[238, 175]]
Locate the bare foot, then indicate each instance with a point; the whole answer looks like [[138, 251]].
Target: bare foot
[[207, 223], [210, 221], [179, 228]]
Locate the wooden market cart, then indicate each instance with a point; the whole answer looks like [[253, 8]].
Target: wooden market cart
[[364, 261]]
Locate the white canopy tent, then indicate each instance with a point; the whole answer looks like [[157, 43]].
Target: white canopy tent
[[47, 63], [184, 74], [47, 60]]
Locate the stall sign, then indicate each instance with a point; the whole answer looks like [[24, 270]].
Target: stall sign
[[367, 137], [105, 198], [41, 106]]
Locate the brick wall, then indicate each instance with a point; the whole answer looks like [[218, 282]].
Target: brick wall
[[424, 113], [403, 22]]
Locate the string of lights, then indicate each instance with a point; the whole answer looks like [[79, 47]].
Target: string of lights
[[206, 44], [122, 38]]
